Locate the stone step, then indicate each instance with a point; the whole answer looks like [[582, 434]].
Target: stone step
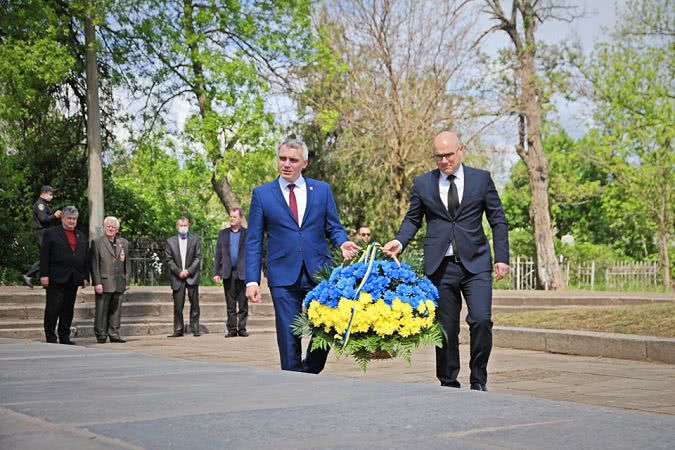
[[213, 294], [85, 310], [130, 329], [38, 324], [37, 296]]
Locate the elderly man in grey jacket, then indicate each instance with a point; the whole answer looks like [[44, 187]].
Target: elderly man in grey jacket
[[109, 273]]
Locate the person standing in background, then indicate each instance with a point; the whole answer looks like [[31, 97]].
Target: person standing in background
[[228, 268], [42, 219], [109, 274], [183, 255]]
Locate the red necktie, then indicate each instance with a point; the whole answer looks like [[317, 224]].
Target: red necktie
[[293, 203]]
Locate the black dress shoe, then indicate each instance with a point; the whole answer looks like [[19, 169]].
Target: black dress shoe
[[196, 334], [478, 387], [27, 281], [243, 333], [118, 340], [176, 335], [102, 341], [67, 342], [231, 334]]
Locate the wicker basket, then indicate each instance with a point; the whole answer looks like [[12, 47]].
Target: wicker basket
[[380, 354]]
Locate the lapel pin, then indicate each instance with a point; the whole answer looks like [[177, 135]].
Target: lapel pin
[[311, 188]]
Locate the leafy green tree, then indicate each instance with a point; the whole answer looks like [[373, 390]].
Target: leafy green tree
[[631, 84], [221, 57]]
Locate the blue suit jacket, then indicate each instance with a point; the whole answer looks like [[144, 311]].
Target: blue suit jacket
[[289, 245], [473, 249]]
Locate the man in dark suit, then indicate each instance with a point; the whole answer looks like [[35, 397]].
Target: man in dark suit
[[228, 267], [452, 199], [64, 265], [109, 272], [183, 255], [298, 214], [42, 219]]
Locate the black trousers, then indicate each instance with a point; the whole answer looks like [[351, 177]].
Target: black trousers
[[235, 297], [179, 302], [108, 315], [453, 281], [35, 268], [60, 306]]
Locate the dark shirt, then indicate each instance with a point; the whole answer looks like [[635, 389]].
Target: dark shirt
[[42, 215], [234, 247]]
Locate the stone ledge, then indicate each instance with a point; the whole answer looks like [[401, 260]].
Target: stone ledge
[[587, 343]]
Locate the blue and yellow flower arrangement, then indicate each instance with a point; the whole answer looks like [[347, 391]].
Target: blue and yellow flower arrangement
[[370, 309]]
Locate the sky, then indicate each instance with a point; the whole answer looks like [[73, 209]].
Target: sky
[[598, 20]]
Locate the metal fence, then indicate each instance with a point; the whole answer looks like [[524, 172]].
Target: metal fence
[[148, 268], [592, 275]]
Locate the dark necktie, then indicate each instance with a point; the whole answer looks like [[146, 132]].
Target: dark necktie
[[453, 197], [292, 202], [453, 206]]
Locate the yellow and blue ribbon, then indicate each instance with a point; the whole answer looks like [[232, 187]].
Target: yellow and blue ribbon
[[367, 257]]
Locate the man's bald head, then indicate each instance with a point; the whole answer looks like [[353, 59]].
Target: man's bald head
[[446, 139], [448, 152]]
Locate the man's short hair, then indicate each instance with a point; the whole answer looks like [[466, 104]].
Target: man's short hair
[[183, 219], [46, 188], [237, 209], [296, 144], [111, 219], [70, 211]]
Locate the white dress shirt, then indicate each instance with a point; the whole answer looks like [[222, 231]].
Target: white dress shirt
[[182, 245], [444, 187], [300, 191]]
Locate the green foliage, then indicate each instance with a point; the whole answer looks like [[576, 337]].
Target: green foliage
[[155, 187]]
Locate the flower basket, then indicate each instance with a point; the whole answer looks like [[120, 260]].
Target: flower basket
[[371, 309]]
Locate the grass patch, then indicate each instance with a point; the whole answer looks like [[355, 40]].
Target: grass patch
[[646, 320]]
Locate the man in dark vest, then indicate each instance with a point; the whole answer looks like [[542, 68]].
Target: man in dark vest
[[42, 219]]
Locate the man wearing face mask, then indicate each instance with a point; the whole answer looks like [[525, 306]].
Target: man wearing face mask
[[42, 219], [183, 255]]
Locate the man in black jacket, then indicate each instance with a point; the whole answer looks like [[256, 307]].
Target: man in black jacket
[[453, 199], [42, 219], [64, 266], [228, 267], [183, 256]]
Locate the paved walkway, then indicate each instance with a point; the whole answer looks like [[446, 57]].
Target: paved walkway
[[632, 385], [65, 397]]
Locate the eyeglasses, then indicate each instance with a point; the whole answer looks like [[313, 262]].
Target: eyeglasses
[[364, 234], [446, 156]]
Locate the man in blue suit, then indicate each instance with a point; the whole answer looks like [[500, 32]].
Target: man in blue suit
[[452, 199], [298, 214]]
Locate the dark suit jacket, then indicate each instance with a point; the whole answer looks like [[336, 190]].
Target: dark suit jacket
[[289, 246], [59, 262], [193, 260], [222, 265], [473, 249], [106, 266]]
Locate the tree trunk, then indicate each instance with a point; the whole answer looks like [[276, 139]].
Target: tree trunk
[[531, 148], [225, 195], [220, 186], [95, 182]]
